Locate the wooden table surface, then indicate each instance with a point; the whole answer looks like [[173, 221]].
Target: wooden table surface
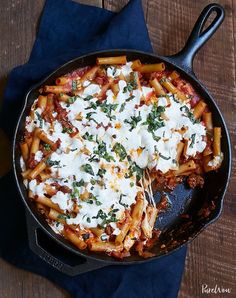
[[211, 258]]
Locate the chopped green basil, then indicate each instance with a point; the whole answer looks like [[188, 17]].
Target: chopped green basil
[[88, 137], [122, 107], [107, 108], [79, 183], [164, 157], [130, 98], [74, 85], [47, 147], [123, 204], [87, 98], [154, 120], [51, 163], [120, 150], [72, 99], [193, 136], [93, 181], [133, 121], [189, 114], [40, 119], [134, 169], [93, 105], [106, 218], [67, 129], [75, 193], [87, 168], [101, 172], [101, 151]]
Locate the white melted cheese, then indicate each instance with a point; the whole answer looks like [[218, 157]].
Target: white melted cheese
[[216, 161], [62, 200], [22, 164], [37, 189], [126, 69], [122, 121], [91, 90], [38, 156], [113, 71]]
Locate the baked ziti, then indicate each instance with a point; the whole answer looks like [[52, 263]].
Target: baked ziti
[[102, 139]]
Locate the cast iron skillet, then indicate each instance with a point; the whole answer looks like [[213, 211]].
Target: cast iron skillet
[[203, 206]]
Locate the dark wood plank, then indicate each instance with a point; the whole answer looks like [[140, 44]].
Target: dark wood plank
[[16, 283], [211, 257]]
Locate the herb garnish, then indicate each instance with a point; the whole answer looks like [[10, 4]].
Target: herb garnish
[[106, 218], [114, 71], [87, 98], [193, 137], [155, 138], [132, 84], [67, 129], [63, 216], [74, 85], [87, 168], [101, 151], [72, 99], [134, 121], [107, 108], [101, 172], [120, 150], [154, 120], [88, 116], [93, 105], [189, 114], [130, 98], [123, 204], [51, 163], [122, 107], [93, 158], [164, 157], [40, 119], [85, 236], [134, 169], [163, 80], [75, 193], [47, 147], [93, 199], [79, 183], [88, 137]]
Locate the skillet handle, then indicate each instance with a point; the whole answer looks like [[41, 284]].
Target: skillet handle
[[198, 37], [41, 244]]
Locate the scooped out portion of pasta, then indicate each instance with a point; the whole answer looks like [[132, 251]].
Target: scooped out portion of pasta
[[102, 139]]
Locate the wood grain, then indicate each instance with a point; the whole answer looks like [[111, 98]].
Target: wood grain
[[211, 257]]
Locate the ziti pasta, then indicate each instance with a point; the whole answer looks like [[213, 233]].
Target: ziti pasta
[[102, 139]]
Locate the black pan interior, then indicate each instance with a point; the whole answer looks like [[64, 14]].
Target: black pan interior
[[203, 206]]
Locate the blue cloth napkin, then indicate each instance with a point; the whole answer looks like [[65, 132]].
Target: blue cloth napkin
[[68, 30]]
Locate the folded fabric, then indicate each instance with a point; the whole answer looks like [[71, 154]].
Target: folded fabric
[[68, 30]]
